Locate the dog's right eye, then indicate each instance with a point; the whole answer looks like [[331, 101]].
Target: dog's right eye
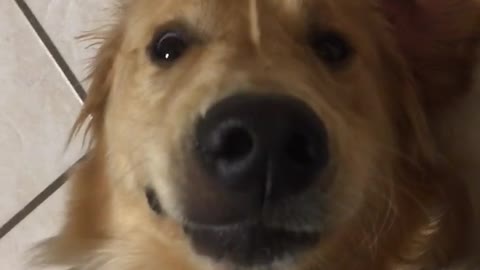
[[168, 47], [331, 47]]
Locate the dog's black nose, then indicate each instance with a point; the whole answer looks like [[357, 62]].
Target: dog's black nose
[[273, 144]]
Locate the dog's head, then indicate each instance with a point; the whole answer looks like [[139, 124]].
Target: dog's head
[[255, 132]]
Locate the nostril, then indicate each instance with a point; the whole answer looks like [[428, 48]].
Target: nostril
[[255, 146], [300, 149], [233, 144]]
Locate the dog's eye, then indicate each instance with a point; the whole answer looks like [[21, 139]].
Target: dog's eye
[[331, 48], [168, 46], [152, 200]]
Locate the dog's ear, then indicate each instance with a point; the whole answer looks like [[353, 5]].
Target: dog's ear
[[101, 78], [439, 39]]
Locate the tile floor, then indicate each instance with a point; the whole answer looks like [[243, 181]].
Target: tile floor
[[42, 67]]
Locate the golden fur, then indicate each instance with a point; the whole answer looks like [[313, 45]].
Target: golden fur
[[396, 201]]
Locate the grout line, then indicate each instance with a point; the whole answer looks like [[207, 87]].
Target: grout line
[[80, 91], [33, 204], [55, 53]]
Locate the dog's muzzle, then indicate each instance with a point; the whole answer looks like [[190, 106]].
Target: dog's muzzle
[[252, 153]]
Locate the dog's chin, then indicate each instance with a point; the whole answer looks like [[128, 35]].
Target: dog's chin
[[249, 245]]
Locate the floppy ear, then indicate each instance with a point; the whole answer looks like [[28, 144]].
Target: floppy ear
[[439, 40], [101, 77]]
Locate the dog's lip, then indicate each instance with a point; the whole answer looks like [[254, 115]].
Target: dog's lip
[[249, 244]]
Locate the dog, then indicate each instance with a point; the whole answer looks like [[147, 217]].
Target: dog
[[277, 134]]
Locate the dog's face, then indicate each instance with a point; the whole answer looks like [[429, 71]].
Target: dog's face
[[244, 119], [253, 132]]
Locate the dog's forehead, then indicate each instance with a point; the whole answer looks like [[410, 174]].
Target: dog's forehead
[[215, 10], [216, 13], [235, 21]]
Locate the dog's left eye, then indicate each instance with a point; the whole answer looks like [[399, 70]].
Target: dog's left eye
[[331, 47], [152, 200], [169, 46]]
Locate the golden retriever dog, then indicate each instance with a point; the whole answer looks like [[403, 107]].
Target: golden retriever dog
[[278, 134]]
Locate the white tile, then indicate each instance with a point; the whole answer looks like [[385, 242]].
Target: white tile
[[37, 109], [44, 222], [66, 20]]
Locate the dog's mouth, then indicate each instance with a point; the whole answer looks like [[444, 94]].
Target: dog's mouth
[[249, 245]]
